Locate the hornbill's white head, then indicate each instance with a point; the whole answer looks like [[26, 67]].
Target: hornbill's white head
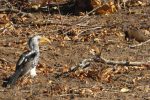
[[35, 40]]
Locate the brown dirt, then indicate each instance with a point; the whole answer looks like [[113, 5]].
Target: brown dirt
[[90, 83]]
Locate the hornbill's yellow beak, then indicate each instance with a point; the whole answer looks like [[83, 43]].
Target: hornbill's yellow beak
[[44, 40]]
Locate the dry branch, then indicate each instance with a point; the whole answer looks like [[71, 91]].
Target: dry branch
[[83, 64], [86, 62], [123, 63]]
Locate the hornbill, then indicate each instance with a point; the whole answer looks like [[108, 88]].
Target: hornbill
[[27, 62]]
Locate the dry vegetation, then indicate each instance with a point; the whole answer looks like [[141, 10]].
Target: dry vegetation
[[99, 50]]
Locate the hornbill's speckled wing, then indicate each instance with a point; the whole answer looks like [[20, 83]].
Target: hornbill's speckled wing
[[25, 58], [24, 65]]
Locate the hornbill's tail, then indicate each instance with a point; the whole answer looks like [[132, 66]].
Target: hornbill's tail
[[11, 80]]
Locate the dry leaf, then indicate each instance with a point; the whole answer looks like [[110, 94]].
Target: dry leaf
[[4, 19], [96, 3], [85, 91], [107, 74], [96, 40], [120, 70], [25, 81], [95, 51], [104, 9], [50, 82], [124, 90], [67, 38], [65, 68]]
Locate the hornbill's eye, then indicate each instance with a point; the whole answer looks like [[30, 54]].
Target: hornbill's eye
[[38, 39]]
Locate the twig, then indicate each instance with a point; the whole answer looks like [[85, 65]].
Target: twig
[[2, 90], [140, 44], [9, 10], [61, 19], [123, 63], [89, 29], [13, 10], [45, 22], [62, 95], [4, 60], [81, 20]]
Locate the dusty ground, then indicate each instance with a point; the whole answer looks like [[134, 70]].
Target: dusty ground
[[98, 81]]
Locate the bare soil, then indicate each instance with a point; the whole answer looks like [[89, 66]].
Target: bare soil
[[94, 82]]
